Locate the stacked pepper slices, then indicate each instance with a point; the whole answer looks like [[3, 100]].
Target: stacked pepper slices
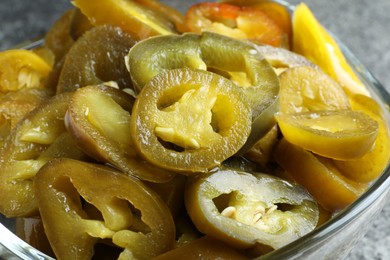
[[146, 133]]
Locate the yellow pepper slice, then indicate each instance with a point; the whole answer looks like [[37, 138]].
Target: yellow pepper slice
[[305, 89], [330, 188], [335, 134], [22, 69], [372, 164], [141, 18], [308, 32]]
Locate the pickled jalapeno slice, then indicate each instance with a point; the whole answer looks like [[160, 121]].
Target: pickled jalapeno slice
[[141, 18], [318, 175], [342, 135], [250, 210], [95, 58], [190, 120], [98, 118], [127, 213], [36, 139], [239, 22]]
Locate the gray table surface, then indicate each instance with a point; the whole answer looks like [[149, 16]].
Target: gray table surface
[[363, 25]]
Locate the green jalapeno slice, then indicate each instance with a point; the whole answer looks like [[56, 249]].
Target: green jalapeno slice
[[96, 57], [82, 204], [98, 118], [190, 120], [40, 136]]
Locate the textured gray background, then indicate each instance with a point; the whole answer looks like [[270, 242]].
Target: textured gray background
[[363, 25]]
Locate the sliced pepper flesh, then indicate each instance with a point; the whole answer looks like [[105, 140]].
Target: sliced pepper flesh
[[141, 18], [282, 59], [307, 88], [35, 140], [250, 210], [239, 22], [341, 135], [373, 163], [98, 118], [16, 104], [58, 38], [318, 175], [261, 152], [96, 57], [189, 120], [237, 60], [327, 54], [22, 69], [128, 213], [207, 247], [279, 13]]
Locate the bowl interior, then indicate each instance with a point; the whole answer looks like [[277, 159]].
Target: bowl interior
[[14, 246]]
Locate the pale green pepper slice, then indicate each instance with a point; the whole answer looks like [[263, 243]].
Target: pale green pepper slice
[[251, 211], [98, 118]]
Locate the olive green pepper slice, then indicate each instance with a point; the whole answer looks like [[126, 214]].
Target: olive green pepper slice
[[40, 136], [79, 24], [58, 38], [98, 118], [83, 203], [96, 57], [245, 66], [190, 120], [149, 57], [206, 247], [250, 210], [172, 193], [250, 70], [234, 59], [16, 104]]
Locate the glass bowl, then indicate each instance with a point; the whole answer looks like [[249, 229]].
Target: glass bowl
[[334, 239]]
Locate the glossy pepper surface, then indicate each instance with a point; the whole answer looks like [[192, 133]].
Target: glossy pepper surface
[[189, 120], [35, 140], [98, 119], [96, 57], [240, 22], [128, 213], [252, 211]]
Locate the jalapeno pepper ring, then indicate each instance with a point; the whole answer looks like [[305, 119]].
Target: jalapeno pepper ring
[[190, 120]]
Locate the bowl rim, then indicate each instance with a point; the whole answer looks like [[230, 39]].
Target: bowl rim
[[379, 187]]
